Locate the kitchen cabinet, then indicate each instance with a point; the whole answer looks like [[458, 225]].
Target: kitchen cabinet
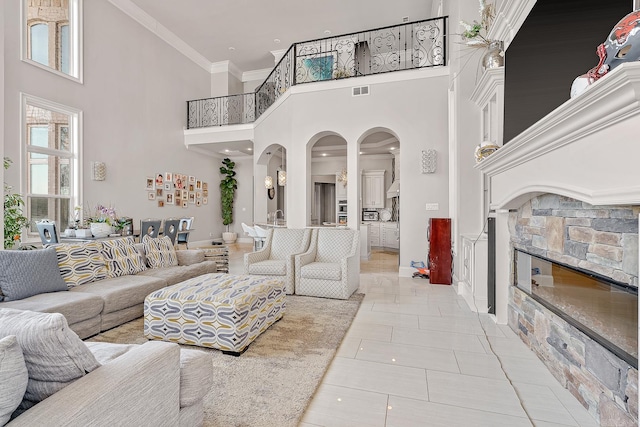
[[373, 190], [374, 234], [474, 272], [390, 235], [365, 243]]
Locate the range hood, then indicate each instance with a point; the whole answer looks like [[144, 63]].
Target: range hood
[[394, 189]]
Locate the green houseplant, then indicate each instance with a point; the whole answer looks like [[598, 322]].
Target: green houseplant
[[14, 220], [228, 187]]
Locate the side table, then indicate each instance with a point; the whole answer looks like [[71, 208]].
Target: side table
[[219, 254]]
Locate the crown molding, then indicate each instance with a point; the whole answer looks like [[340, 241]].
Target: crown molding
[[509, 18], [491, 80], [144, 19], [249, 76]]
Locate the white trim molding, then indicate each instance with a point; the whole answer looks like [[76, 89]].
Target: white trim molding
[[509, 18], [585, 149]]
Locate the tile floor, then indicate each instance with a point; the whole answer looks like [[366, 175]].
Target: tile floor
[[416, 355]]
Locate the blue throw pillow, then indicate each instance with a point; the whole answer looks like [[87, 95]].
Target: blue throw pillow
[[27, 273]]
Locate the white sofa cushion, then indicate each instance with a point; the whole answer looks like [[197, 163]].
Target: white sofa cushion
[[13, 377], [270, 267], [53, 353], [321, 270]]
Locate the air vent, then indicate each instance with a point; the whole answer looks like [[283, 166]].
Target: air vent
[[405, 19], [360, 90]]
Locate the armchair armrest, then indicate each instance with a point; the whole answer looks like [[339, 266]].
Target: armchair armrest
[[143, 384], [253, 257]]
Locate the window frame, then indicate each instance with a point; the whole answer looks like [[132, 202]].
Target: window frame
[[76, 70], [74, 136]]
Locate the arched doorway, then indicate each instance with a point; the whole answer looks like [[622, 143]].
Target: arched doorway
[[327, 154]]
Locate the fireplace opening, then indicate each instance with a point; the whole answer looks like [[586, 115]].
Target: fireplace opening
[[601, 308]]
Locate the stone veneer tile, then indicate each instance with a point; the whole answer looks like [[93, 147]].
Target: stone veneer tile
[[622, 213], [547, 201], [604, 262], [588, 265], [538, 221], [607, 238], [584, 222], [554, 233], [630, 257], [539, 242], [616, 225], [581, 234], [606, 251], [576, 249]]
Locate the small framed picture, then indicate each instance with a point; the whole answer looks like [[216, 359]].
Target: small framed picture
[[179, 183], [198, 202], [178, 194], [205, 186], [198, 195], [167, 186], [169, 198], [151, 195], [205, 193], [178, 201], [150, 183], [185, 203], [159, 180], [168, 177], [185, 194], [192, 198], [205, 200], [159, 191], [192, 179], [161, 203], [198, 185], [191, 187]]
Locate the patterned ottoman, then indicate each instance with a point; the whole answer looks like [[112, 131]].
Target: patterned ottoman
[[217, 310]]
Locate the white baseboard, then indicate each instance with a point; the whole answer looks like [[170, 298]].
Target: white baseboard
[[406, 271]]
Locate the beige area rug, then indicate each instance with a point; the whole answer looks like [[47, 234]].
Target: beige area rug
[[272, 382]]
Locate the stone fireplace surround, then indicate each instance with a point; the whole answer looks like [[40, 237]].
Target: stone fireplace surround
[[586, 151]]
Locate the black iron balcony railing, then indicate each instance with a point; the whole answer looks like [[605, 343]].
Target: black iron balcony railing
[[401, 47]]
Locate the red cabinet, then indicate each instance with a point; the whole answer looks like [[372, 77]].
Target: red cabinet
[[439, 237]]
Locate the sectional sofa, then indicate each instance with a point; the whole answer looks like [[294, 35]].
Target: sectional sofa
[[102, 285]]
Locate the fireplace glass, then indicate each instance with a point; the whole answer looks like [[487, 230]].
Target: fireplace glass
[[604, 310]]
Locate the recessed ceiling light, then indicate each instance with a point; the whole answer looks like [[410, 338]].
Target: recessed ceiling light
[[231, 48], [392, 148], [327, 32], [226, 150], [360, 152], [276, 40], [249, 149], [324, 154]]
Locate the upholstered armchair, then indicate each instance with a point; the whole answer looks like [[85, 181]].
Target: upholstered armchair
[[331, 266], [276, 257]]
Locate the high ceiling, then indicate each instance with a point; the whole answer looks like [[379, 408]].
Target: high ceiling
[[251, 26]]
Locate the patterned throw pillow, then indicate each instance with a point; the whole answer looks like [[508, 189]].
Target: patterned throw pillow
[[81, 263], [121, 257], [160, 252], [27, 273]]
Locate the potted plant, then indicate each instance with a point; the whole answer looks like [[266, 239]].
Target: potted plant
[[14, 220], [228, 186]]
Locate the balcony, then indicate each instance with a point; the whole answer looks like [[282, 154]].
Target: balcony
[[396, 48]]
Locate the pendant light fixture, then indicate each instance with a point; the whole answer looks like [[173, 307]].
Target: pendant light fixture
[[268, 181], [282, 174]]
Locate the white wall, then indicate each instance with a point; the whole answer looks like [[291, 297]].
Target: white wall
[[243, 204], [2, 129], [252, 85], [134, 104], [467, 181], [400, 106]]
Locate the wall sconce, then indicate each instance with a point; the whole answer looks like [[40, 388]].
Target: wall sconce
[[282, 178], [98, 171], [342, 177], [268, 182], [428, 163]]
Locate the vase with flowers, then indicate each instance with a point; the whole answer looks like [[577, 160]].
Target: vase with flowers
[[476, 35], [104, 221]]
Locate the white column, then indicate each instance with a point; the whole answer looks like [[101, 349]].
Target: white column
[[503, 265], [353, 186]]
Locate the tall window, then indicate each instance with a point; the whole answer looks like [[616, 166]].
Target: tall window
[[52, 35], [52, 152]]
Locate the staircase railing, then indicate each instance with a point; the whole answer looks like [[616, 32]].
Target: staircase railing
[[395, 48]]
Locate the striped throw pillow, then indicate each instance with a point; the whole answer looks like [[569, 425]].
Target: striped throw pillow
[[160, 252], [80, 263], [122, 257]]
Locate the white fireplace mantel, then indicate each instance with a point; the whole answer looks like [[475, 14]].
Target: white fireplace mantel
[[588, 148]]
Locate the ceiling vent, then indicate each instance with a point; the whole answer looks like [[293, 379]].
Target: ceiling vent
[[360, 90]]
